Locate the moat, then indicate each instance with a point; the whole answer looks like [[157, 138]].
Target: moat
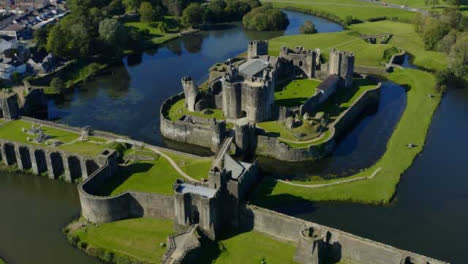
[[133, 100]]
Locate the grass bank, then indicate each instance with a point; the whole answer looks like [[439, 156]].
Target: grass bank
[[250, 247], [126, 241], [339, 10], [178, 110]]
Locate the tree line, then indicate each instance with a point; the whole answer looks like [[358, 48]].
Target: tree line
[[447, 32]]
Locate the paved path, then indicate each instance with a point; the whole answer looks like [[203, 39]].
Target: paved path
[[332, 183]]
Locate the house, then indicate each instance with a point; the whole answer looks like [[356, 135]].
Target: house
[[42, 62]]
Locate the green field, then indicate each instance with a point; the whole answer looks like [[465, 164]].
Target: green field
[[295, 92], [250, 247], [137, 238], [338, 10], [156, 176], [13, 131], [178, 110], [196, 167]]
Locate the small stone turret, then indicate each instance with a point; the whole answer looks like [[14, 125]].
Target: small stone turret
[[190, 92], [257, 48], [341, 63]]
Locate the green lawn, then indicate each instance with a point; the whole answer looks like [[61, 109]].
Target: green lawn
[[340, 9], [349, 40], [197, 168], [13, 131], [250, 247], [138, 238], [156, 36], [295, 92], [412, 128], [156, 176], [178, 110]]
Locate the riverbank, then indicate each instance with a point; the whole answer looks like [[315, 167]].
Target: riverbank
[[422, 101]]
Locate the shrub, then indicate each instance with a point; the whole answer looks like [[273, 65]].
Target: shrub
[[265, 18], [388, 53], [57, 85], [308, 28]]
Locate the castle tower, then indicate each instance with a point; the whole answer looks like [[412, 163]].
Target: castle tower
[[257, 48], [190, 92], [341, 63]]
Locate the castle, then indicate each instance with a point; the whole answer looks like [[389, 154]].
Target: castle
[[246, 89]]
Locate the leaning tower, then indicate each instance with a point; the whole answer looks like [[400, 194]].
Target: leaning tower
[[190, 92]]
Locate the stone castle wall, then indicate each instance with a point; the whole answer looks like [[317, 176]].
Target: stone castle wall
[[349, 246], [103, 209], [273, 147], [203, 135]]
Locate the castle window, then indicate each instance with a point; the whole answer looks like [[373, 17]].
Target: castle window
[[300, 64]]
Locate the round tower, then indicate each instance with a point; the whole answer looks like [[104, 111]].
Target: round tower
[[190, 92], [257, 48]]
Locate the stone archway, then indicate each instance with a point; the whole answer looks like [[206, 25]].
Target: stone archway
[[74, 165], [10, 155], [25, 157], [57, 164], [41, 161], [194, 215]]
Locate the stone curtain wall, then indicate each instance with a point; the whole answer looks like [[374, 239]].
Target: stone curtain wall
[[353, 248], [102, 209], [186, 132], [273, 147]]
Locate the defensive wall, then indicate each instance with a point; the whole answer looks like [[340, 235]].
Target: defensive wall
[[326, 242], [204, 135], [273, 147], [103, 209]]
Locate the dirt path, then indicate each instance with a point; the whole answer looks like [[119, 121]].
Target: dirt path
[[332, 183]]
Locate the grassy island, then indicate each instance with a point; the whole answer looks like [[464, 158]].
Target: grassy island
[[376, 184], [178, 110]]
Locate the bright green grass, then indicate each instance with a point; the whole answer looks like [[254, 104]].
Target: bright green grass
[[156, 176], [412, 128], [143, 176], [13, 131], [2, 261], [343, 8], [156, 35], [178, 110], [296, 92], [406, 38], [349, 40], [138, 238], [197, 168], [250, 247]]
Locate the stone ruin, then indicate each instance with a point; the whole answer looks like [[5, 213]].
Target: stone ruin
[[36, 131], [85, 133]]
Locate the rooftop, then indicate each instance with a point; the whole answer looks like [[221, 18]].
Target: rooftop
[[237, 168], [196, 189], [253, 67]]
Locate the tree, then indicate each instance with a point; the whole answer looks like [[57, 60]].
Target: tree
[[432, 3], [265, 18], [192, 15], [433, 32], [131, 5], [308, 28], [57, 85], [146, 12], [115, 8], [40, 37], [113, 33], [70, 38]]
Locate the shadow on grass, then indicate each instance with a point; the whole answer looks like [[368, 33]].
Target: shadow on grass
[[119, 178], [290, 102]]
